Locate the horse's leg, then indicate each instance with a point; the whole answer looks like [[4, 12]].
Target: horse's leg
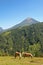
[[31, 56], [15, 56], [20, 56]]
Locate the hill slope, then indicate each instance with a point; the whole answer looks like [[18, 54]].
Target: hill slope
[[27, 38]]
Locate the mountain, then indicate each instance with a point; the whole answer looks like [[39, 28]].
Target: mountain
[[28, 39], [1, 29], [27, 36], [28, 21]]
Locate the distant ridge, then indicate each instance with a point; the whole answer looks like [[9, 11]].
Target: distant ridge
[[1, 29]]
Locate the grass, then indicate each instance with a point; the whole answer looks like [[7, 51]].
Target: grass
[[8, 60]]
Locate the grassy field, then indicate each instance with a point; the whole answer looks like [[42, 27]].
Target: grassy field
[[8, 60]]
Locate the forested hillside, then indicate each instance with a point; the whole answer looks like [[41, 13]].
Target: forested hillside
[[27, 38]]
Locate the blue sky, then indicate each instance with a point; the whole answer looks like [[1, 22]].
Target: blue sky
[[13, 12]]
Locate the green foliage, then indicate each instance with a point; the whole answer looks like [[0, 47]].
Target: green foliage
[[28, 38], [35, 49], [1, 52]]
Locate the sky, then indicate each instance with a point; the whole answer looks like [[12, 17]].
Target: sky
[[13, 12]]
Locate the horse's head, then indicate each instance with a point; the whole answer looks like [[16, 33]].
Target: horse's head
[[18, 54]]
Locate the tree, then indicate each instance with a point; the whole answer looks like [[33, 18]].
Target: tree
[[35, 49]]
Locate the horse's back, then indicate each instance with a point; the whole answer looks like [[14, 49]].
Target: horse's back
[[27, 54]]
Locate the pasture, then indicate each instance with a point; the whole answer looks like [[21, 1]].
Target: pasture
[[10, 60]]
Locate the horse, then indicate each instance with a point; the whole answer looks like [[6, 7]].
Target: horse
[[18, 54], [25, 54]]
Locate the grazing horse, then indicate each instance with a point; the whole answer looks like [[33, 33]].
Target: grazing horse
[[24, 54], [18, 54]]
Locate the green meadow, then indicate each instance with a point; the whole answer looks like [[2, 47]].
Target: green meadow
[[10, 60]]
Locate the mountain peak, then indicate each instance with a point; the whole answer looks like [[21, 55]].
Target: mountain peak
[[28, 18], [28, 21]]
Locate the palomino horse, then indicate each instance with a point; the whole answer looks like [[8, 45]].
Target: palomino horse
[[25, 54], [18, 54]]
